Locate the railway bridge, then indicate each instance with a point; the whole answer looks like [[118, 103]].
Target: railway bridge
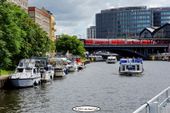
[[126, 50]]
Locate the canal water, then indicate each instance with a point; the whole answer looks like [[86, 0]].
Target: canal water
[[98, 85]]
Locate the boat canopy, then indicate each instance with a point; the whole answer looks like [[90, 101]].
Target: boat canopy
[[131, 60]]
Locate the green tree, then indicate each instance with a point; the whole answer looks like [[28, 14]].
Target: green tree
[[70, 43], [20, 37]]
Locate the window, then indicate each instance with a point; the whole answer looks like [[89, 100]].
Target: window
[[138, 67], [20, 70]]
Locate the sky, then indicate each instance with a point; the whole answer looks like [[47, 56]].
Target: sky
[[73, 17]]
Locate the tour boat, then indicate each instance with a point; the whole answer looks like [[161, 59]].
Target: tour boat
[[26, 74], [47, 73], [131, 66], [111, 59]]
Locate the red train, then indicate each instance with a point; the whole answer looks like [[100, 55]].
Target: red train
[[117, 42]]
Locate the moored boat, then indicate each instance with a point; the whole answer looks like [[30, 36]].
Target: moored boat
[[26, 74], [72, 67], [131, 66], [47, 73], [60, 71]]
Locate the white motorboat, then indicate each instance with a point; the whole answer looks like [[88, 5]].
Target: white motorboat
[[72, 66], [47, 73], [26, 74], [59, 71], [111, 59], [131, 66], [98, 58]]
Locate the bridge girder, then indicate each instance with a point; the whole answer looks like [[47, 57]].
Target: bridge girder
[[142, 51]]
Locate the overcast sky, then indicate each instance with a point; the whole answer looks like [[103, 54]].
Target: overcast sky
[[74, 16]]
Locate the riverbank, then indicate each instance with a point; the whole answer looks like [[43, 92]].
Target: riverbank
[[3, 80], [4, 76], [5, 72]]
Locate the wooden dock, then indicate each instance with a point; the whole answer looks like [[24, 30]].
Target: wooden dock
[[3, 80]]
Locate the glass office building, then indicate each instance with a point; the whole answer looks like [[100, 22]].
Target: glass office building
[[128, 22]]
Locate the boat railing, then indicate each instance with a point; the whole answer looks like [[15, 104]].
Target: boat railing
[[157, 104]]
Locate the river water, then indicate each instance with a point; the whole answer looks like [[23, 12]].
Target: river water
[[97, 85]]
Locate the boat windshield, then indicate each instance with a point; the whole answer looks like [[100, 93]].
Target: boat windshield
[[131, 67], [28, 70], [20, 70]]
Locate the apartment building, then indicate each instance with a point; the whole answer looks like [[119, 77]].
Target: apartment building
[[52, 24], [45, 19], [22, 3], [40, 17]]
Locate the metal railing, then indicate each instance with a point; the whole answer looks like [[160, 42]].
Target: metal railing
[[157, 104]]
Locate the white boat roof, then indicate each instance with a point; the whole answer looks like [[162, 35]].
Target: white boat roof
[[110, 57], [26, 63]]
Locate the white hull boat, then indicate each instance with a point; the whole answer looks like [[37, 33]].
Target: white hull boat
[[71, 67], [26, 74], [47, 74], [111, 59], [59, 72], [131, 66], [27, 82]]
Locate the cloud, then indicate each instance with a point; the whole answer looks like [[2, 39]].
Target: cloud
[[74, 16]]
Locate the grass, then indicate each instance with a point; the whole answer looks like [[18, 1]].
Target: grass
[[5, 72]]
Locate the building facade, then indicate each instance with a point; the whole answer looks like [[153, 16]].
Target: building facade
[[148, 32], [22, 3], [161, 15], [52, 28], [91, 32], [128, 22], [156, 32], [42, 18], [52, 24], [163, 31]]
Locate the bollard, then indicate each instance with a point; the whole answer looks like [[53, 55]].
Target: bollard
[[153, 107]]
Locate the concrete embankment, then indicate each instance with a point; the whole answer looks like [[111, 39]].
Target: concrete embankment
[[3, 80]]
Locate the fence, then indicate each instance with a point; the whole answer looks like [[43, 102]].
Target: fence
[[158, 104]]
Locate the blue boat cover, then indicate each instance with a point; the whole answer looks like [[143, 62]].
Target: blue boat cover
[[131, 60]]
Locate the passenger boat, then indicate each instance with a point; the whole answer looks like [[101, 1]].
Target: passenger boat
[[131, 66], [47, 73], [26, 74], [111, 59]]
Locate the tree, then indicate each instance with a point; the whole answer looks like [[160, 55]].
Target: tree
[[20, 37], [70, 43]]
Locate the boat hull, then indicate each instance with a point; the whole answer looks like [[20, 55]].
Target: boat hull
[[59, 74], [130, 73], [72, 69], [47, 77], [111, 61], [28, 82]]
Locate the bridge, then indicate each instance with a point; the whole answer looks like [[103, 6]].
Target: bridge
[[130, 50]]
